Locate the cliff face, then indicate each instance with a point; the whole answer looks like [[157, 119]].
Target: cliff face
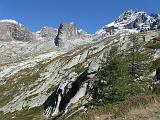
[[66, 32], [69, 36]]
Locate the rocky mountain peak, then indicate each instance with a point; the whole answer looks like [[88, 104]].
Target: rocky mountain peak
[[12, 30], [132, 15], [68, 32], [132, 20], [47, 32]]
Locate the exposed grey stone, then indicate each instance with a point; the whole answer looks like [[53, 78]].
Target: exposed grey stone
[[11, 31]]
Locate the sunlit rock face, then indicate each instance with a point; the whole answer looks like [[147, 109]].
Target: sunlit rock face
[[47, 33], [12, 30], [69, 33], [66, 32]]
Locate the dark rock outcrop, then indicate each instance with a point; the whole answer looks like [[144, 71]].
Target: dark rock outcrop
[[158, 74], [66, 95]]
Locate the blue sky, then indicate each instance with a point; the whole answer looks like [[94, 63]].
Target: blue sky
[[89, 15]]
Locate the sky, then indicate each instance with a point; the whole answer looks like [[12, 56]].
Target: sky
[[89, 15]]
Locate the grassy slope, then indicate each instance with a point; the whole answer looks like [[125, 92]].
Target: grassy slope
[[136, 108], [25, 114]]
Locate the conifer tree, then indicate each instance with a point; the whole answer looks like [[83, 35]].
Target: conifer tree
[[138, 57], [123, 73], [114, 79]]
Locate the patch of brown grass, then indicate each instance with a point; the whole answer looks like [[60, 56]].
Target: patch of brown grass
[[134, 105], [154, 43], [25, 114]]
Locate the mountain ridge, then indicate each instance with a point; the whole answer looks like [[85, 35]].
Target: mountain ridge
[[136, 20], [130, 20]]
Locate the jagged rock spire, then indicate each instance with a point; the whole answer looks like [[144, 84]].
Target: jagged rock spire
[[65, 32], [68, 32]]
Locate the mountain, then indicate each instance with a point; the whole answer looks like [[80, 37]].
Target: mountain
[[12, 30], [49, 73], [132, 21], [47, 33], [69, 36]]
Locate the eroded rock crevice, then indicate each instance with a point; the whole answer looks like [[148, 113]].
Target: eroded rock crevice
[[57, 102]]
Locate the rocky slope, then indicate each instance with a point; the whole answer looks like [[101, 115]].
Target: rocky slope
[[54, 71]]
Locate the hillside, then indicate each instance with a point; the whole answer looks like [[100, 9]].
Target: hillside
[[49, 74]]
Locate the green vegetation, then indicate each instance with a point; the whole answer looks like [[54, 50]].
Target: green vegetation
[[79, 68], [116, 110], [25, 114], [138, 57], [51, 89], [123, 74], [113, 79], [122, 83], [156, 64]]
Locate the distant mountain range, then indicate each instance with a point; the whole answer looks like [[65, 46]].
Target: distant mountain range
[[129, 21], [133, 21]]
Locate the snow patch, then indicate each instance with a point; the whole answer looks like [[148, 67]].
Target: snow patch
[[57, 107], [9, 21]]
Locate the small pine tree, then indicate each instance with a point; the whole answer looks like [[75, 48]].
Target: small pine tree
[[138, 57]]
